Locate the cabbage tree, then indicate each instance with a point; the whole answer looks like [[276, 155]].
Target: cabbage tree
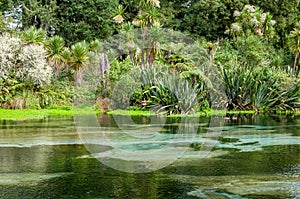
[[79, 59], [294, 46], [55, 47], [33, 36]]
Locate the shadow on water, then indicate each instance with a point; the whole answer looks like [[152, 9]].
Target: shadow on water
[[255, 157]]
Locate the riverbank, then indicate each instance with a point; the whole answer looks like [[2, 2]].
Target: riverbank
[[68, 111], [25, 114]]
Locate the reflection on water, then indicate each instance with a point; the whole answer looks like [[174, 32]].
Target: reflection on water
[[254, 157]]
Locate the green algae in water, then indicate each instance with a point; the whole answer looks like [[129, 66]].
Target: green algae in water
[[46, 153]]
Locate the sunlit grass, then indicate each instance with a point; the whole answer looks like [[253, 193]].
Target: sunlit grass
[[131, 112], [200, 113], [69, 111], [42, 113], [32, 114]]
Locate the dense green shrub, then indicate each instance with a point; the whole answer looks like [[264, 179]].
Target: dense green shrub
[[260, 88], [159, 89]]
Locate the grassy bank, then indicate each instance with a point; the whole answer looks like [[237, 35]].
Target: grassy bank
[[25, 114], [32, 114]]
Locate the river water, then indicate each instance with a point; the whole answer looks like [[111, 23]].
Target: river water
[[243, 157]]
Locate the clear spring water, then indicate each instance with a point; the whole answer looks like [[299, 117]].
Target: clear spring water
[[253, 157]]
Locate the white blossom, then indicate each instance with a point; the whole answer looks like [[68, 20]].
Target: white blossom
[[35, 68], [156, 23], [236, 13], [259, 32], [263, 17], [272, 22], [24, 62], [236, 27], [156, 3], [254, 21], [118, 19], [250, 8], [136, 22], [9, 50]]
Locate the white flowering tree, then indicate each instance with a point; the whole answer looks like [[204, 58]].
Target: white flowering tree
[[24, 63], [254, 19], [34, 68], [9, 52]]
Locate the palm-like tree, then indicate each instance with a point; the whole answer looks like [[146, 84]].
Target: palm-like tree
[[294, 46], [33, 36], [119, 14], [79, 59], [56, 53], [148, 16], [145, 3], [95, 45]]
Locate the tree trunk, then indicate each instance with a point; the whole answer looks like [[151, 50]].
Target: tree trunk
[[104, 64], [295, 62]]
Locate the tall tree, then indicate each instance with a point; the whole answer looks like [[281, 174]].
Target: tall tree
[[294, 46], [286, 14], [56, 51], [201, 17], [38, 13], [85, 19], [79, 59], [147, 17]]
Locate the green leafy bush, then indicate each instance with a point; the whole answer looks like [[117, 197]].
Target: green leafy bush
[[259, 88], [165, 91]]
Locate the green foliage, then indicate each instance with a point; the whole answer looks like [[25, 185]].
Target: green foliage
[[3, 24], [166, 92], [201, 18], [259, 88], [33, 36], [252, 19], [79, 59], [257, 57], [9, 88], [57, 54], [253, 51], [4, 5], [118, 69], [54, 111], [285, 13], [294, 46], [17, 95], [112, 77], [41, 14], [85, 19]]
